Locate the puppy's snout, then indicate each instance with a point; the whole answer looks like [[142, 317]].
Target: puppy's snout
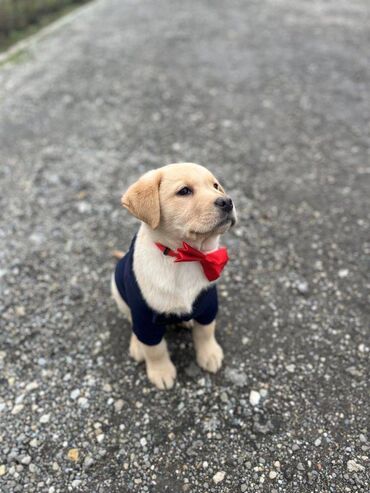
[[224, 203]]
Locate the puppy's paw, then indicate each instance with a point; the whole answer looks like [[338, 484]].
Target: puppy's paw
[[210, 356], [162, 375], [136, 351]]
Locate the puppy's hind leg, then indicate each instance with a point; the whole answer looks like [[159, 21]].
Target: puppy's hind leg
[[136, 351]]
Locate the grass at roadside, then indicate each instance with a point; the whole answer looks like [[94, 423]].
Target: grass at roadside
[[14, 31]]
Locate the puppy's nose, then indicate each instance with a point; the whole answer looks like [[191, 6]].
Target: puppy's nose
[[224, 203]]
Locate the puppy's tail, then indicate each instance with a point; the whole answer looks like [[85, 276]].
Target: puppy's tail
[[118, 254]]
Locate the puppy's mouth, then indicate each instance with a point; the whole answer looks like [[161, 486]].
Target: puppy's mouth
[[220, 227]]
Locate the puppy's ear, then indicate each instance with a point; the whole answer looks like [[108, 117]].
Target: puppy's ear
[[142, 198]]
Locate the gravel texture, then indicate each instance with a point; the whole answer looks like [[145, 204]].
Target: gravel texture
[[274, 97]]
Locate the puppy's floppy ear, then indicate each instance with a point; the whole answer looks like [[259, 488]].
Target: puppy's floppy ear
[[142, 198]]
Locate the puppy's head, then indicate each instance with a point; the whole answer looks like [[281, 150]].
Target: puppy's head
[[183, 200]]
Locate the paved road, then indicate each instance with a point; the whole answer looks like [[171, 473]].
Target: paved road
[[274, 97]]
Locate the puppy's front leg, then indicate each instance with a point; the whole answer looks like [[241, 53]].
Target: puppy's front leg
[[159, 367], [209, 352]]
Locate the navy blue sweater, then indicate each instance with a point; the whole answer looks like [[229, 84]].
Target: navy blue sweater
[[148, 325]]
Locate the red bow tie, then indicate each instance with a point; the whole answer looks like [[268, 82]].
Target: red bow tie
[[212, 263]]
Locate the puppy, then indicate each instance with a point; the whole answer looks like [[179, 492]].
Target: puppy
[[169, 272]]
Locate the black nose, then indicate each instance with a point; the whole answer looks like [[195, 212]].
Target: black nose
[[224, 203]]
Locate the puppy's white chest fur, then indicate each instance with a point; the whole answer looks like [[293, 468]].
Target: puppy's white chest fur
[[167, 287]]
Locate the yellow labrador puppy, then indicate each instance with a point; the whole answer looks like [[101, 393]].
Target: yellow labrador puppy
[[168, 275]]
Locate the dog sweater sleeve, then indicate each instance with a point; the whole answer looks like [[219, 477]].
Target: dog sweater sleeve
[[206, 306], [143, 324]]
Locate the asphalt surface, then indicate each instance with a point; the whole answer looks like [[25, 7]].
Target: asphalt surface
[[274, 97]]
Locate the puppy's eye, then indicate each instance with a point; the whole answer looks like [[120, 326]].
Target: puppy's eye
[[216, 186], [185, 191]]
